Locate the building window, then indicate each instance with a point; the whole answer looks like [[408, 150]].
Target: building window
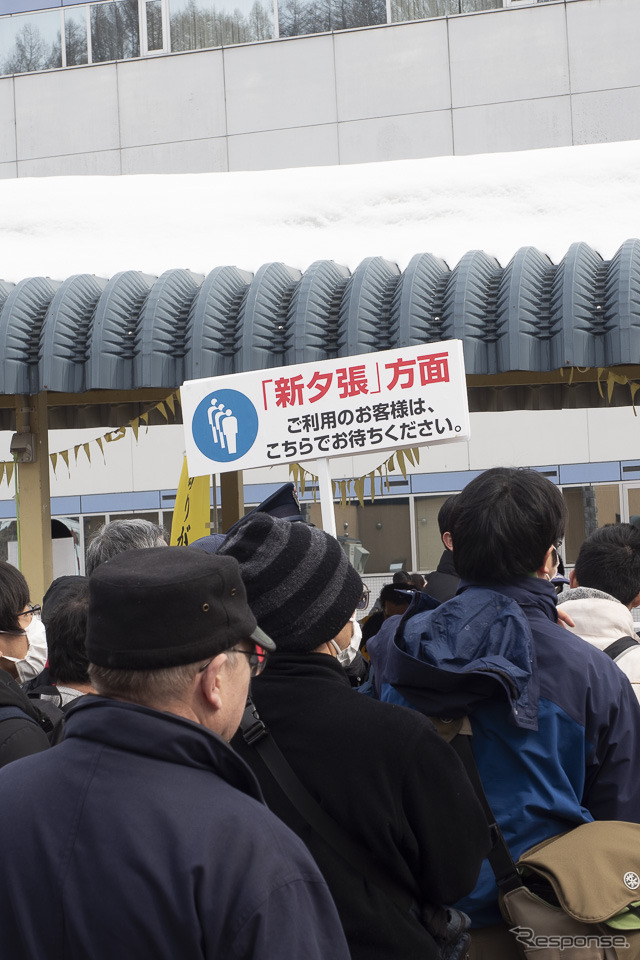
[[115, 31], [429, 546], [75, 36], [589, 507], [195, 24], [425, 9], [155, 41], [30, 42], [297, 17]]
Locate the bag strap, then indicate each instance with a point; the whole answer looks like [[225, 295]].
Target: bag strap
[[15, 713], [257, 735], [618, 647], [502, 863]]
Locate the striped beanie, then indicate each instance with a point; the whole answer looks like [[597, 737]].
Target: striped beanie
[[300, 586]]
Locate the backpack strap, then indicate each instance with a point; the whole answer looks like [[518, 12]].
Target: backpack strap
[[502, 863], [619, 647], [257, 735]]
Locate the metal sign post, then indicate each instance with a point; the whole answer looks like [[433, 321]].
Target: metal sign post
[[325, 487]]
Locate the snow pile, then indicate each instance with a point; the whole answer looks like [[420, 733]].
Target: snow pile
[[59, 226]]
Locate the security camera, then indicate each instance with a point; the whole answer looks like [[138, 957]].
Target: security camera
[[23, 446]]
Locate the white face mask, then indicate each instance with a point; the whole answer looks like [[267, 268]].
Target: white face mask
[[36, 656], [348, 655]]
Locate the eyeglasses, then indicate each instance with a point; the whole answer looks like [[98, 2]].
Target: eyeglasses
[[257, 659], [363, 602], [33, 610]]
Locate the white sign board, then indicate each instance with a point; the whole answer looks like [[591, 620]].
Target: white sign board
[[383, 401]]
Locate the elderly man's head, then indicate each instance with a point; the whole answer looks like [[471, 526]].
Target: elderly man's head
[[171, 629], [118, 536]]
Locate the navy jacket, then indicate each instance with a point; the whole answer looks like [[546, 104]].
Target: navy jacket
[[556, 726], [143, 835]]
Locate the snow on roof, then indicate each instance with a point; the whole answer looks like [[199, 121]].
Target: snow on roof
[[549, 199]]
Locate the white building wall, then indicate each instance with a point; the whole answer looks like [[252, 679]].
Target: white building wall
[[548, 75], [529, 438]]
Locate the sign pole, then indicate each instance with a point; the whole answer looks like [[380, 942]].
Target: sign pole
[[326, 497]]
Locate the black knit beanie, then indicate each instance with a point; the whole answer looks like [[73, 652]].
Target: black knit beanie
[[300, 585]]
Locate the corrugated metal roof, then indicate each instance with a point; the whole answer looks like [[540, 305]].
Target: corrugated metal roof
[[134, 331]]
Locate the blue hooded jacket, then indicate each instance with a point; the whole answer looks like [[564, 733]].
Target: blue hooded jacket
[[556, 726]]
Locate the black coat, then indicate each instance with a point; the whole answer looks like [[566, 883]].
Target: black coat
[[19, 736], [387, 777], [442, 584]]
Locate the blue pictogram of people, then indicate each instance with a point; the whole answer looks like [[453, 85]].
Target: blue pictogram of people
[[225, 425]]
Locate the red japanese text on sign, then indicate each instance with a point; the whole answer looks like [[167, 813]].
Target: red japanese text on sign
[[354, 381]]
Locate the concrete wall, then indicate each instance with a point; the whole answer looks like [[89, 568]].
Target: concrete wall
[[550, 75]]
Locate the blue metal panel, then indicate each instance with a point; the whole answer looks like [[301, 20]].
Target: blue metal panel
[[525, 294], [65, 334], [162, 330], [365, 320], [114, 331], [314, 313], [7, 509], [442, 482], [65, 506], [145, 332], [213, 327], [584, 473], [121, 502], [21, 321], [264, 317], [470, 310], [29, 6], [551, 473], [5, 290], [622, 305], [576, 305], [416, 308]]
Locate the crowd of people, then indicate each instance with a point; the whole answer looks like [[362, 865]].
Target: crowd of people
[[215, 761]]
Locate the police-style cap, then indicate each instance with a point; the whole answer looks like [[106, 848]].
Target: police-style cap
[[167, 606], [282, 504]]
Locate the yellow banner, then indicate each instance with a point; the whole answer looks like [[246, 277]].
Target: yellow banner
[[191, 513]]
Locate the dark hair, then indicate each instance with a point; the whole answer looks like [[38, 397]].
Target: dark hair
[[14, 596], [66, 625], [503, 523], [397, 593], [444, 515], [609, 560], [402, 579]]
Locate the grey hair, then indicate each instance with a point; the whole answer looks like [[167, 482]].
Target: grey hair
[[118, 536], [151, 688]]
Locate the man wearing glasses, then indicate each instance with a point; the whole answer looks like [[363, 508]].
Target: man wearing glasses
[[160, 845]]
